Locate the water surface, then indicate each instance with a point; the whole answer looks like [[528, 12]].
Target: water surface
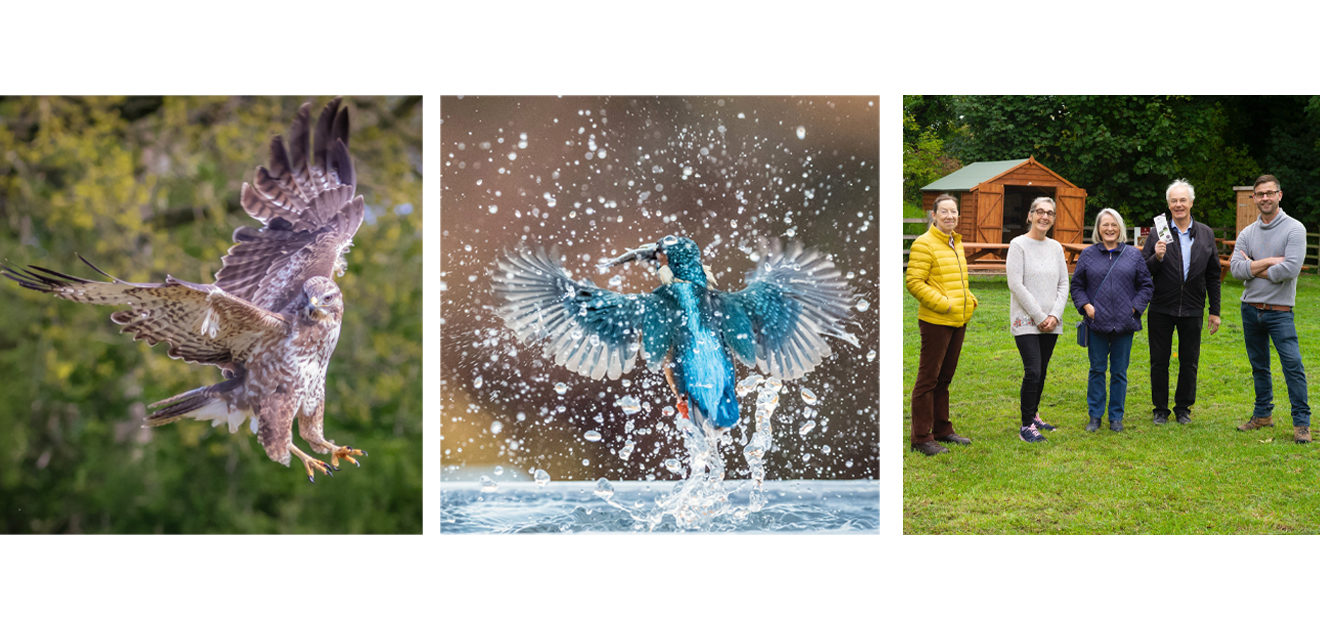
[[800, 506]]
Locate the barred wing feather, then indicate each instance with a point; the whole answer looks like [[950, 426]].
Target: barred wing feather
[[591, 331], [201, 322], [793, 300], [309, 214]]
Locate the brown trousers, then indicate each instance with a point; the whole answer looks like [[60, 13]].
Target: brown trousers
[[940, 347]]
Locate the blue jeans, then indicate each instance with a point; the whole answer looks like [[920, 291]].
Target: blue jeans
[[1258, 329], [1112, 352]]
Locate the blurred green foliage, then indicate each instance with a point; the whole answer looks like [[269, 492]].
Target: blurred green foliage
[[1125, 150], [149, 186]]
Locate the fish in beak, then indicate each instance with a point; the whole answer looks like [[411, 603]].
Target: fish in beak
[[647, 252]]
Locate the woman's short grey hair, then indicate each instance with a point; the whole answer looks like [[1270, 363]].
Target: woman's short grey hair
[[1122, 227], [1039, 200], [1191, 192]]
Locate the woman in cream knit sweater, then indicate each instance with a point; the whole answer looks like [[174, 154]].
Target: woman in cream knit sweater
[[1038, 289]]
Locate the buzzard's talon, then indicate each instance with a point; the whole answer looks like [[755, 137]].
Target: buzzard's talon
[[346, 453], [312, 465]]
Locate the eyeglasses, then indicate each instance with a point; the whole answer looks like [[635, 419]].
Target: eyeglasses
[[1048, 213], [1265, 193]]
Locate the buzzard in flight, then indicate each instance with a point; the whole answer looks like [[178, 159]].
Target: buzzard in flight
[[271, 319]]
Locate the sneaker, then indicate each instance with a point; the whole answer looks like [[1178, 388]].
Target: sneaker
[[1115, 425], [954, 438], [1093, 424], [1030, 434], [929, 448], [1184, 417], [1302, 435], [1041, 425], [1257, 423], [1160, 418]]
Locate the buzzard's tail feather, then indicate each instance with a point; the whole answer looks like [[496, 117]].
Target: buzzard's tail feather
[[203, 403]]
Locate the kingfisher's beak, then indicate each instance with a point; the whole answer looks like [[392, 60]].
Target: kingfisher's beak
[[645, 252]]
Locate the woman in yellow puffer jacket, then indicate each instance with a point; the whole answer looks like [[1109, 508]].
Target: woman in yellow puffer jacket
[[937, 277]]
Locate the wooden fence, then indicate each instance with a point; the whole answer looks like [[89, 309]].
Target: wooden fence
[[1310, 263]]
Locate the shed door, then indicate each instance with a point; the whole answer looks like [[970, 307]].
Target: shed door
[[990, 213], [1071, 216]]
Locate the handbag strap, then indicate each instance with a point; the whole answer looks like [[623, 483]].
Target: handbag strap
[[1122, 248]]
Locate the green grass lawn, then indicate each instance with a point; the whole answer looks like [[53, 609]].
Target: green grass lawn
[[1200, 478]]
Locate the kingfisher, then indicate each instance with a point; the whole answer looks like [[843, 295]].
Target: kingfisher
[[793, 299]]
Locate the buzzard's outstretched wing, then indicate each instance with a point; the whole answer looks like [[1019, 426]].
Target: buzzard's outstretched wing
[[306, 204], [201, 322], [793, 300], [592, 331]]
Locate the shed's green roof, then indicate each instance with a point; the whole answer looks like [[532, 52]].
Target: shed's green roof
[[972, 174]]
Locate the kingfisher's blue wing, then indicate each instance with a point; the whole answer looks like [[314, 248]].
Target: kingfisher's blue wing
[[592, 331], [793, 300]]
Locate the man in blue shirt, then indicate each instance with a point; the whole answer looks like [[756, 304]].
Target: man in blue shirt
[[1186, 273]]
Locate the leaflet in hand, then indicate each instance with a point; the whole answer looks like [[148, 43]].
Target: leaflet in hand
[[1162, 228]]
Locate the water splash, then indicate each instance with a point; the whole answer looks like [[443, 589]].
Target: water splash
[[703, 494]]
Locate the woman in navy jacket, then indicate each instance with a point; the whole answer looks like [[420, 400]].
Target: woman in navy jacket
[[1111, 287]]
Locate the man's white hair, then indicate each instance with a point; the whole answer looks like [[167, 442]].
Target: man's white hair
[[1191, 192]]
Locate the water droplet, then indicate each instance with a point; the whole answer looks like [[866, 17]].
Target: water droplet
[[870, 356], [629, 404], [616, 281], [801, 132], [513, 155], [673, 465], [488, 484], [862, 305], [495, 427], [560, 388], [592, 436], [806, 427], [493, 208], [499, 470], [604, 489], [477, 382], [541, 477], [808, 396], [627, 450], [748, 384], [667, 411]]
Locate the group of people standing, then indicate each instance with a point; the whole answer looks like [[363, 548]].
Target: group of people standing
[[1113, 284]]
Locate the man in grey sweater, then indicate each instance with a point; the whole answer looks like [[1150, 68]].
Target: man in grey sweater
[[1267, 258]]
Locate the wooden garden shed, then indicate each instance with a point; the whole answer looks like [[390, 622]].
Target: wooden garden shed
[[993, 199]]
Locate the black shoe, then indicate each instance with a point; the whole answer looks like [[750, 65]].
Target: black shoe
[[1160, 417], [929, 448], [1093, 424], [1184, 417], [1115, 425], [954, 438]]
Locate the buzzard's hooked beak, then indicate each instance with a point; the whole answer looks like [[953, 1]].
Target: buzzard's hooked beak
[[645, 252], [315, 309]]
